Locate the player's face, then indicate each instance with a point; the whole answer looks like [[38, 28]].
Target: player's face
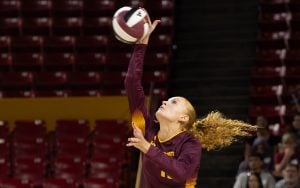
[[172, 110]]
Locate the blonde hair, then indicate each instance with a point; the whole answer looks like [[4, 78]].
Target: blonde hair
[[215, 131]]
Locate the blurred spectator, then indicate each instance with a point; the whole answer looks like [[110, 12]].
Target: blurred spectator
[[287, 152], [295, 127], [255, 166], [254, 181], [290, 177], [261, 147], [262, 133]]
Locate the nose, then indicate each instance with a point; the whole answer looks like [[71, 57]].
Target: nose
[[164, 102]]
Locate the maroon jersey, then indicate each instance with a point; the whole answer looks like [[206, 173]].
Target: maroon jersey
[[171, 163]]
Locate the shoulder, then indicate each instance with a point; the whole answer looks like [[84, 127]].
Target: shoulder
[[280, 183], [188, 139]]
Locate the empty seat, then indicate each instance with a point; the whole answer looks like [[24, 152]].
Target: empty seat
[[84, 92], [161, 43], [50, 80], [37, 8], [15, 183], [273, 6], [158, 77], [266, 94], [59, 44], [72, 127], [161, 7], [67, 8], [120, 59], [27, 61], [87, 80], [26, 43], [99, 8], [268, 75], [110, 126], [5, 44], [10, 26], [274, 113], [5, 170], [270, 57], [67, 26], [90, 61], [34, 129], [99, 183], [57, 61], [18, 93], [274, 22], [114, 79], [27, 147], [292, 57], [10, 8], [97, 25], [3, 129], [37, 26], [94, 43], [17, 80], [57, 183], [5, 61], [51, 93]]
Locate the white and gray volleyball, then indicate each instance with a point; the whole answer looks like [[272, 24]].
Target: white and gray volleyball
[[129, 24]]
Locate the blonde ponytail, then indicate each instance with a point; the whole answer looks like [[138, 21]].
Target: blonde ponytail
[[215, 132]]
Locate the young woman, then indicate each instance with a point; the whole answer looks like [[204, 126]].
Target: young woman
[[171, 145], [254, 181]]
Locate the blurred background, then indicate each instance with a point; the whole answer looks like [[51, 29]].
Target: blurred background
[[63, 109]]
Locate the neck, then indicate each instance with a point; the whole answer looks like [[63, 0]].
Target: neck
[[168, 131]]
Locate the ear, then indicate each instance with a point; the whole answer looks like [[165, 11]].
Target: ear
[[184, 118]]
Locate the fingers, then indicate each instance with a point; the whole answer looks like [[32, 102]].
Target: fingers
[[132, 142]]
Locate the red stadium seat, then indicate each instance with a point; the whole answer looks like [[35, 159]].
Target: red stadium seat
[[14, 183], [292, 57], [90, 80], [89, 61], [93, 43], [57, 61], [67, 8], [37, 26], [274, 113], [18, 93], [38, 8], [270, 57], [27, 61], [26, 44], [50, 80], [273, 6], [17, 80], [4, 132], [10, 8], [274, 22], [72, 127], [161, 43], [57, 183], [51, 93], [98, 183], [110, 126], [5, 170], [5, 61], [161, 7], [120, 59], [81, 93], [266, 94], [99, 8], [25, 146], [59, 44], [268, 75], [34, 129], [10, 26], [67, 26], [5, 44], [97, 25]]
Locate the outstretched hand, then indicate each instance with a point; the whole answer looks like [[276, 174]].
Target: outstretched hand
[[138, 141], [152, 26]]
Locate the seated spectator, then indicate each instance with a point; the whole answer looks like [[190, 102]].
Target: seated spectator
[[261, 147], [262, 133], [295, 127], [254, 181], [287, 152], [290, 177], [255, 166]]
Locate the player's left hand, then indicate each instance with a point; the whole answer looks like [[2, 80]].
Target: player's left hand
[[138, 141]]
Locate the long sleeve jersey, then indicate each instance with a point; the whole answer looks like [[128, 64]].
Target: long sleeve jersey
[[171, 163]]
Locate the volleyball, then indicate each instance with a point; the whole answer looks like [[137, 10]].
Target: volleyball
[[130, 24]]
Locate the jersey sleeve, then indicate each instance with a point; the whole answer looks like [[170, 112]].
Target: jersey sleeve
[[133, 82], [181, 168]]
